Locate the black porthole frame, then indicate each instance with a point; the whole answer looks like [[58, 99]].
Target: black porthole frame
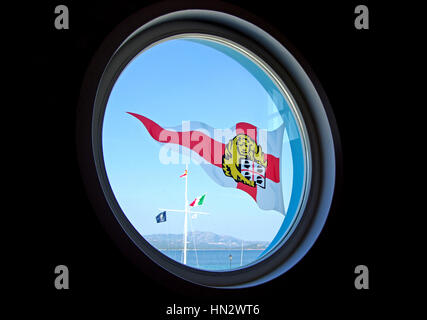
[[311, 101]]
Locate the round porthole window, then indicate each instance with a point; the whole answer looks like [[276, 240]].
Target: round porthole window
[[212, 147]]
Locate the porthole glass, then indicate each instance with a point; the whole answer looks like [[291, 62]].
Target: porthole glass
[[205, 153]]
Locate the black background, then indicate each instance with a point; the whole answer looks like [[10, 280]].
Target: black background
[[61, 226]]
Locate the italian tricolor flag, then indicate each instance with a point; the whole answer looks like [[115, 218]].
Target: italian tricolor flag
[[198, 201]]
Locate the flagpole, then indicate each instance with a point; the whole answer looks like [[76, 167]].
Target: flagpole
[[185, 215], [187, 210]]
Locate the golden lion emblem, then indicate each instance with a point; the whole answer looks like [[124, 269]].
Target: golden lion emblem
[[239, 148]]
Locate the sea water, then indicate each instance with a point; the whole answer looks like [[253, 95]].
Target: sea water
[[215, 259]]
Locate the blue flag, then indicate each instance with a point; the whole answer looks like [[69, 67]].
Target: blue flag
[[161, 217]]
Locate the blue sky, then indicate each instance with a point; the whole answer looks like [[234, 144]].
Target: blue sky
[[175, 81]]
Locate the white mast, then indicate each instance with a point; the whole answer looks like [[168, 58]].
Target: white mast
[[185, 215]]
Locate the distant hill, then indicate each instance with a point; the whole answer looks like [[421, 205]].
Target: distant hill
[[202, 240]]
